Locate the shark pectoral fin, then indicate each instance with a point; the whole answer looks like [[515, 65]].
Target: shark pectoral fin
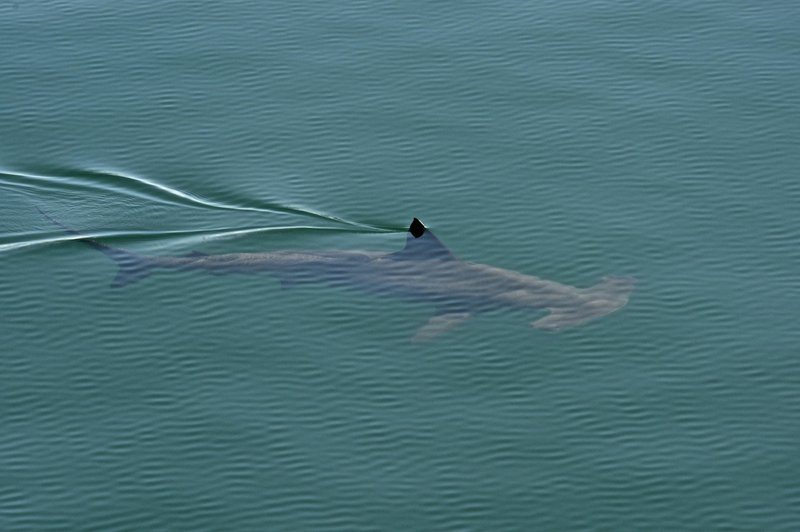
[[441, 323], [560, 319]]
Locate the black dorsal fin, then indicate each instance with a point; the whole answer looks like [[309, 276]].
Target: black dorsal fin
[[421, 244]]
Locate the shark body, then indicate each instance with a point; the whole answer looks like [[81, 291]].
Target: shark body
[[425, 270]]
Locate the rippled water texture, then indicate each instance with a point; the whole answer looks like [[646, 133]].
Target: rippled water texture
[[566, 140]]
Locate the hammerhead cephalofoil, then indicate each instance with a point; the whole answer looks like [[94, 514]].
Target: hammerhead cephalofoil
[[425, 270]]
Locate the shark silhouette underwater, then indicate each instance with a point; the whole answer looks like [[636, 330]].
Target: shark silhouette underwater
[[424, 270]]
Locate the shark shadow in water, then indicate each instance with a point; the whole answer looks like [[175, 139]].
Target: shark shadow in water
[[425, 270]]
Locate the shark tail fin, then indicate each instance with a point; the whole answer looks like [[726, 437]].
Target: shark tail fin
[[132, 267]]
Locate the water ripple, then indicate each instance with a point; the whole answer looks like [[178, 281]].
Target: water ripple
[[88, 180], [91, 181]]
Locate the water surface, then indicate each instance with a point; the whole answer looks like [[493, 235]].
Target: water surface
[[568, 140]]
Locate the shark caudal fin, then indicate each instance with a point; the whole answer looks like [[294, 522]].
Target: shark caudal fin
[[132, 267], [607, 296]]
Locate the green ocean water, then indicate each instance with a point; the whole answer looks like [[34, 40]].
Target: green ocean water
[[568, 140]]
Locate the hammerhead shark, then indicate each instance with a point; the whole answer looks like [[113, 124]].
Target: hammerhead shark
[[424, 270]]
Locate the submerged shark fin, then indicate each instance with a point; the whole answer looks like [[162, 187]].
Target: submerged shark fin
[[421, 243], [290, 281], [132, 267], [439, 324]]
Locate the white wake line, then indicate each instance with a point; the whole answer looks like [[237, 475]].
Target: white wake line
[[291, 208], [181, 236], [177, 193]]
